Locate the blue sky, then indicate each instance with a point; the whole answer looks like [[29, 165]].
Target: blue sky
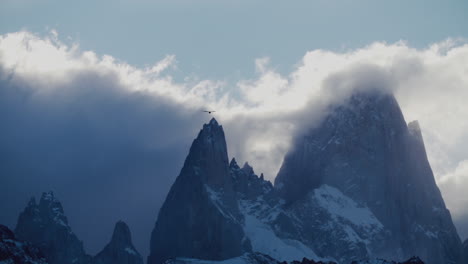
[[220, 39], [69, 116]]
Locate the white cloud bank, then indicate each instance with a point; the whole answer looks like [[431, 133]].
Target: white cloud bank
[[261, 114]]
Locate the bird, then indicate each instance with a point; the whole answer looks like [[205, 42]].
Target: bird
[[209, 112]]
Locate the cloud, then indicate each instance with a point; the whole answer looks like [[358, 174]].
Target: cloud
[[110, 137]]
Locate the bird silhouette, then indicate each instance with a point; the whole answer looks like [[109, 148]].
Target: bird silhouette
[[209, 112]]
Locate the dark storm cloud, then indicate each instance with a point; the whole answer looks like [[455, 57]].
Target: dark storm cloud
[[110, 138], [108, 153]]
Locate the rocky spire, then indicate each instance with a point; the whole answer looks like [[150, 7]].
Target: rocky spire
[[200, 217], [120, 249], [46, 226], [208, 156]]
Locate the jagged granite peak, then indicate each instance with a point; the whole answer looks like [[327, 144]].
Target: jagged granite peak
[[247, 184], [120, 249], [46, 227], [233, 164], [248, 169], [208, 156], [18, 252], [200, 217], [364, 155]]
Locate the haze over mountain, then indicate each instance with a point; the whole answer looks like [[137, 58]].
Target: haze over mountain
[[356, 186], [97, 119]]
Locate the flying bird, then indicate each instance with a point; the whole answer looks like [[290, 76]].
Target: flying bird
[[209, 112]]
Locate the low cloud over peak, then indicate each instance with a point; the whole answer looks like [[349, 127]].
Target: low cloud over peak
[[110, 137]]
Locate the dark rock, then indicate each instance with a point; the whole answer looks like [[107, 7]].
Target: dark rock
[[120, 249], [200, 216], [46, 227], [363, 150], [18, 252]]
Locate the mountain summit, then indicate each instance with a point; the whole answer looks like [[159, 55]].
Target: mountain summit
[[363, 152], [199, 217], [120, 249], [46, 227]]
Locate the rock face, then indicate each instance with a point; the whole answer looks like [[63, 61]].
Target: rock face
[[120, 249], [465, 250], [46, 227], [18, 252], [360, 186], [200, 217], [219, 211]]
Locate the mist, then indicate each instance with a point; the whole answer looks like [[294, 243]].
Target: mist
[[109, 138]]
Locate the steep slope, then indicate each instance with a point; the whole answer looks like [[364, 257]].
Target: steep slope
[[200, 216], [465, 250], [364, 158], [18, 252], [46, 227], [120, 249]]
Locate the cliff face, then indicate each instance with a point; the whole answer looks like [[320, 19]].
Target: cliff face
[[120, 249], [46, 227], [365, 152], [200, 217]]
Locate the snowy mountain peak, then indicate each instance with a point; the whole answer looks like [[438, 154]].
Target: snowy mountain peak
[[365, 150]]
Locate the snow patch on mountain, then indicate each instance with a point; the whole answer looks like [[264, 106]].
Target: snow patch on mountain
[[217, 200], [341, 206], [257, 227]]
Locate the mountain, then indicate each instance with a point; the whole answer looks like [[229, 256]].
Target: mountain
[[45, 226], [360, 185], [200, 216], [120, 249], [357, 185], [18, 252]]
